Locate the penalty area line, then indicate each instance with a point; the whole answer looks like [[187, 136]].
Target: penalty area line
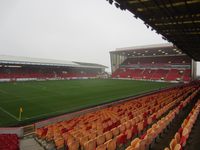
[[11, 115]]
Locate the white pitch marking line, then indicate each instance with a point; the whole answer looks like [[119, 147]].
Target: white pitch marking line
[[2, 91], [11, 115]]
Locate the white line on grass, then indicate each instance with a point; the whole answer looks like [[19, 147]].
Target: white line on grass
[[2, 91], [11, 115]]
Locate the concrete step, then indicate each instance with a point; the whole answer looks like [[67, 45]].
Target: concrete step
[[29, 144]]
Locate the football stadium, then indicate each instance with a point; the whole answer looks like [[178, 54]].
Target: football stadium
[[150, 101]]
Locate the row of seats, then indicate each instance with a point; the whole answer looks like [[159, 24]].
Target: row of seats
[[44, 75], [180, 139], [9, 142], [153, 74], [47, 72], [174, 74], [173, 60], [114, 126], [145, 140]]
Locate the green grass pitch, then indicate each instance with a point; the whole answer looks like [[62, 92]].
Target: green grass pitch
[[42, 99]]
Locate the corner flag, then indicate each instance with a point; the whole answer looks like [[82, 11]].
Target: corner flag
[[20, 113], [21, 109]]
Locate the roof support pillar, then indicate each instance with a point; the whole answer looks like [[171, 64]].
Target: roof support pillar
[[194, 70]]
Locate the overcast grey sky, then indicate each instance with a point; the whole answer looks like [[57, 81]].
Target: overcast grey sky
[[76, 30]]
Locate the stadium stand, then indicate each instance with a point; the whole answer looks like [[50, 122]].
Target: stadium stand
[[156, 62], [158, 128], [159, 60], [9, 142], [180, 139], [142, 122], [115, 127], [21, 68]]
